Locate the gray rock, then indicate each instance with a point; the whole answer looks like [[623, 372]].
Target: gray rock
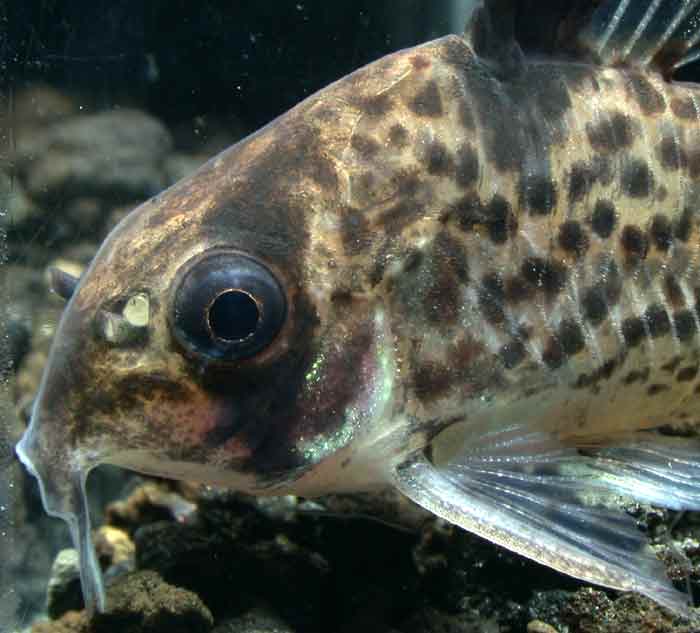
[[117, 153], [39, 105], [254, 621], [63, 593]]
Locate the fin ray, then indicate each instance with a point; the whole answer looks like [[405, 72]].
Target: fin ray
[[559, 504], [658, 34]]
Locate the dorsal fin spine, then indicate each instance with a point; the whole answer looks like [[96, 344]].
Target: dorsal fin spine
[[612, 24], [653, 35], [641, 27], [674, 28]]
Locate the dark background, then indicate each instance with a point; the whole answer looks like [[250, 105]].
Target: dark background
[[179, 59]]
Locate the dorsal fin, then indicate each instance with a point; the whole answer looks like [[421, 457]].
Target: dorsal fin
[[661, 35]]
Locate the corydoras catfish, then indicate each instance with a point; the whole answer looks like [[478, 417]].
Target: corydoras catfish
[[469, 270]]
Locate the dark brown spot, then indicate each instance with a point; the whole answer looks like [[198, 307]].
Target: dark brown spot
[[539, 194], [441, 301], [683, 226], [685, 324], [637, 180], [431, 381], [650, 100], [497, 217], [406, 182], [427, 102], [604, 218], [400, 215], [491, 297], [467, 166], [692, 159], [604, 372], [323, 171], [450, 252], [572, 238], [611, 134], [683, 108], [463, 353], [398, 136], [580, 181], [656, 389], [553, 355], [637, 375], [687, 374], [547, 275], [376, 105], [635, 243], [661, 233], [673, 291], [633, 331], [657, 320], [500, 220], [512, 353], [420, 62], [670, 154], [437, 159], [671, 365], [469, 212], [571, 337], [517, 290], [364, 146], [355, 232], [595, 305]]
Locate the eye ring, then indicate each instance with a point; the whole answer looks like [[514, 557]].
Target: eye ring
[[226, 306]]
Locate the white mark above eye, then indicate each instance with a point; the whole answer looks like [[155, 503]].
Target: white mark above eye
[[137, 310]]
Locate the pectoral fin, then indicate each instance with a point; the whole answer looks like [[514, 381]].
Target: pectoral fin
[[559, 506]]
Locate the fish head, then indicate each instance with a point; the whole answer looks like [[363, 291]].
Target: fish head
[[226, 331], [236, 329]]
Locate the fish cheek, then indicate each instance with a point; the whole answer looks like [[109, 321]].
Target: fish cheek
[[310, 404]]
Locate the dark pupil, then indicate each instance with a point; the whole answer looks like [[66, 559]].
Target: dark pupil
[[233, 316]]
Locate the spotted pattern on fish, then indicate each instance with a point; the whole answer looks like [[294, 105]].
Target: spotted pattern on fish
[[591, 251]]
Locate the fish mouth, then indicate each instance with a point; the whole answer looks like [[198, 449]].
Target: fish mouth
[[21, 450]]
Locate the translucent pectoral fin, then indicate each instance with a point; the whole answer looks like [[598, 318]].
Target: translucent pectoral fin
[[558, 505], [64, 496]]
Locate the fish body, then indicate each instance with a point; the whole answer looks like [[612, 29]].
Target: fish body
[[469, 270]]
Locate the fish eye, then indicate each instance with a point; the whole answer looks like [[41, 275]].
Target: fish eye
[[227, 306]]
